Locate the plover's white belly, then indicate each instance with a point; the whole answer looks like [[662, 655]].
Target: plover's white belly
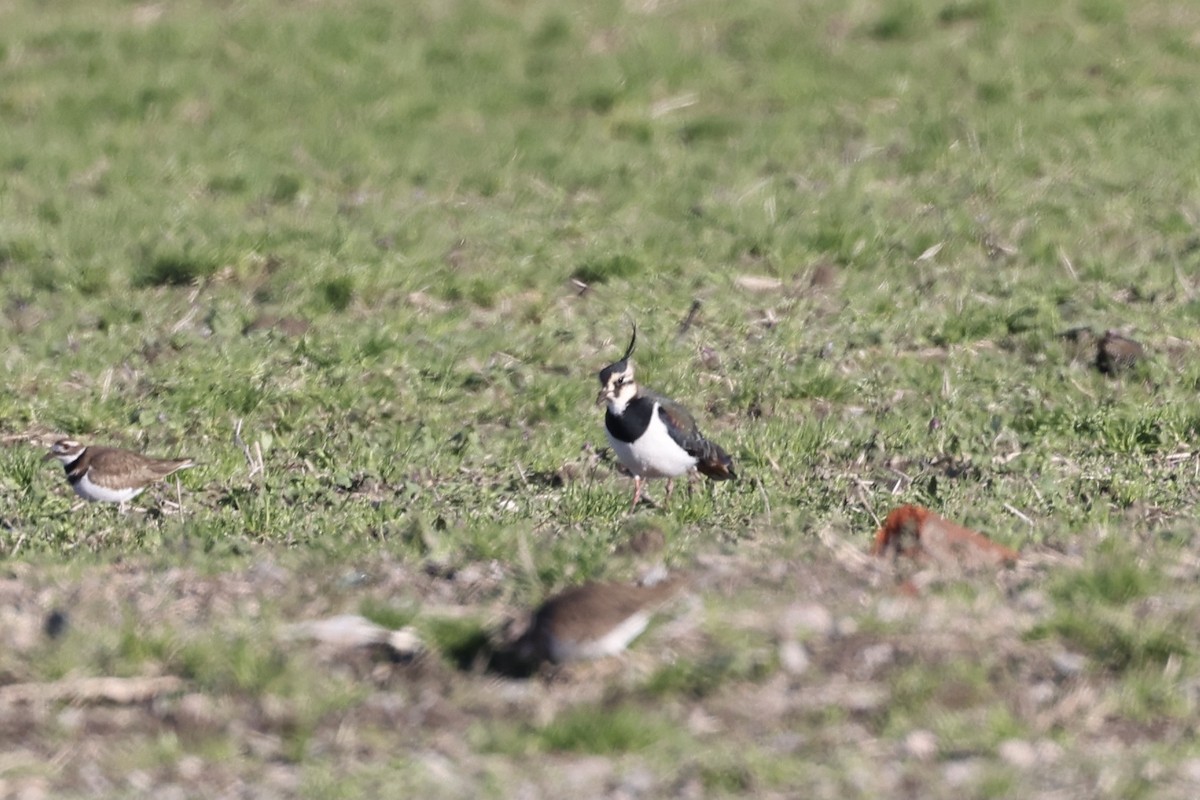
[[655, 454], [96, 493], [562, 649]]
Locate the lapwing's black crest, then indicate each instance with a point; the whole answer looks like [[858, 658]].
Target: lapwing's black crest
[[621, 366]]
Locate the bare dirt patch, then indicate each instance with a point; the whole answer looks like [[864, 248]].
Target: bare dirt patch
[[808, 669]]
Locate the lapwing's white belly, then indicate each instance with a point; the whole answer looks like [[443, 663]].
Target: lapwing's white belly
[[655, 454], [102, 494], [611, 643]]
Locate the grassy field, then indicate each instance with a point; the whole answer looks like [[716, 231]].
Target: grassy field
[[390, 245]]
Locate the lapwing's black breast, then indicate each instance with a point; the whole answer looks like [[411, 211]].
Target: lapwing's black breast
[[628, 427]]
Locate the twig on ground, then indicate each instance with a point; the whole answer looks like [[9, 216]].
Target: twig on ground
[[1066, 262], [864, 498], [1018, 514], [106, 384], [255, 459], [765, 498], [686, 325]]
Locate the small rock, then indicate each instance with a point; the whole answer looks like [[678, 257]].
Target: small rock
[[921, 745], [405, 642], [1032, 600], [353, 579], [190, 767], [1068, 665], [876, 656], [1049, 752], [811, 618], [962, 772], [1018, 752], [793, 657], [469, 574], [893, 609], [637, 782], [710, 358], [31, 789], [439, 769], [140, 781], [195, 710], [702, 724], [786, 743], [283, 777], [1190, 770], [70, 720], [1041, 693], [21, 630], [847, 626], [864, 698]]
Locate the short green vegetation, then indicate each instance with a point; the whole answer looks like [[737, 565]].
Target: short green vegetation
[[362, 261]]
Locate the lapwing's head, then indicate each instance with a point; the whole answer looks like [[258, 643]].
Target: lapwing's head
[[616, 380], [65, 450]]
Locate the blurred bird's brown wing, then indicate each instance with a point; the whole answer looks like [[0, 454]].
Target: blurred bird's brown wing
[[114, 468]]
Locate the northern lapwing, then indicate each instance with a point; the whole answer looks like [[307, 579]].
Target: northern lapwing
[[654, 436]]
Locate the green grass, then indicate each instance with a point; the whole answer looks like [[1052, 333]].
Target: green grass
[[1113, 642], [468, 202], [1115, 580], [462, 642], [603, 731]]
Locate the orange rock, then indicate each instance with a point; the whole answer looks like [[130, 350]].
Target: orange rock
[[918, 533]]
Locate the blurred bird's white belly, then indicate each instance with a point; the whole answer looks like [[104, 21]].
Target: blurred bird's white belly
[[655, 454], [611, 643]]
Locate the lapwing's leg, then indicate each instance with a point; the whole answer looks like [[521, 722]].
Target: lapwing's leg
[[178, 495], [637, 491], [670, 490]]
